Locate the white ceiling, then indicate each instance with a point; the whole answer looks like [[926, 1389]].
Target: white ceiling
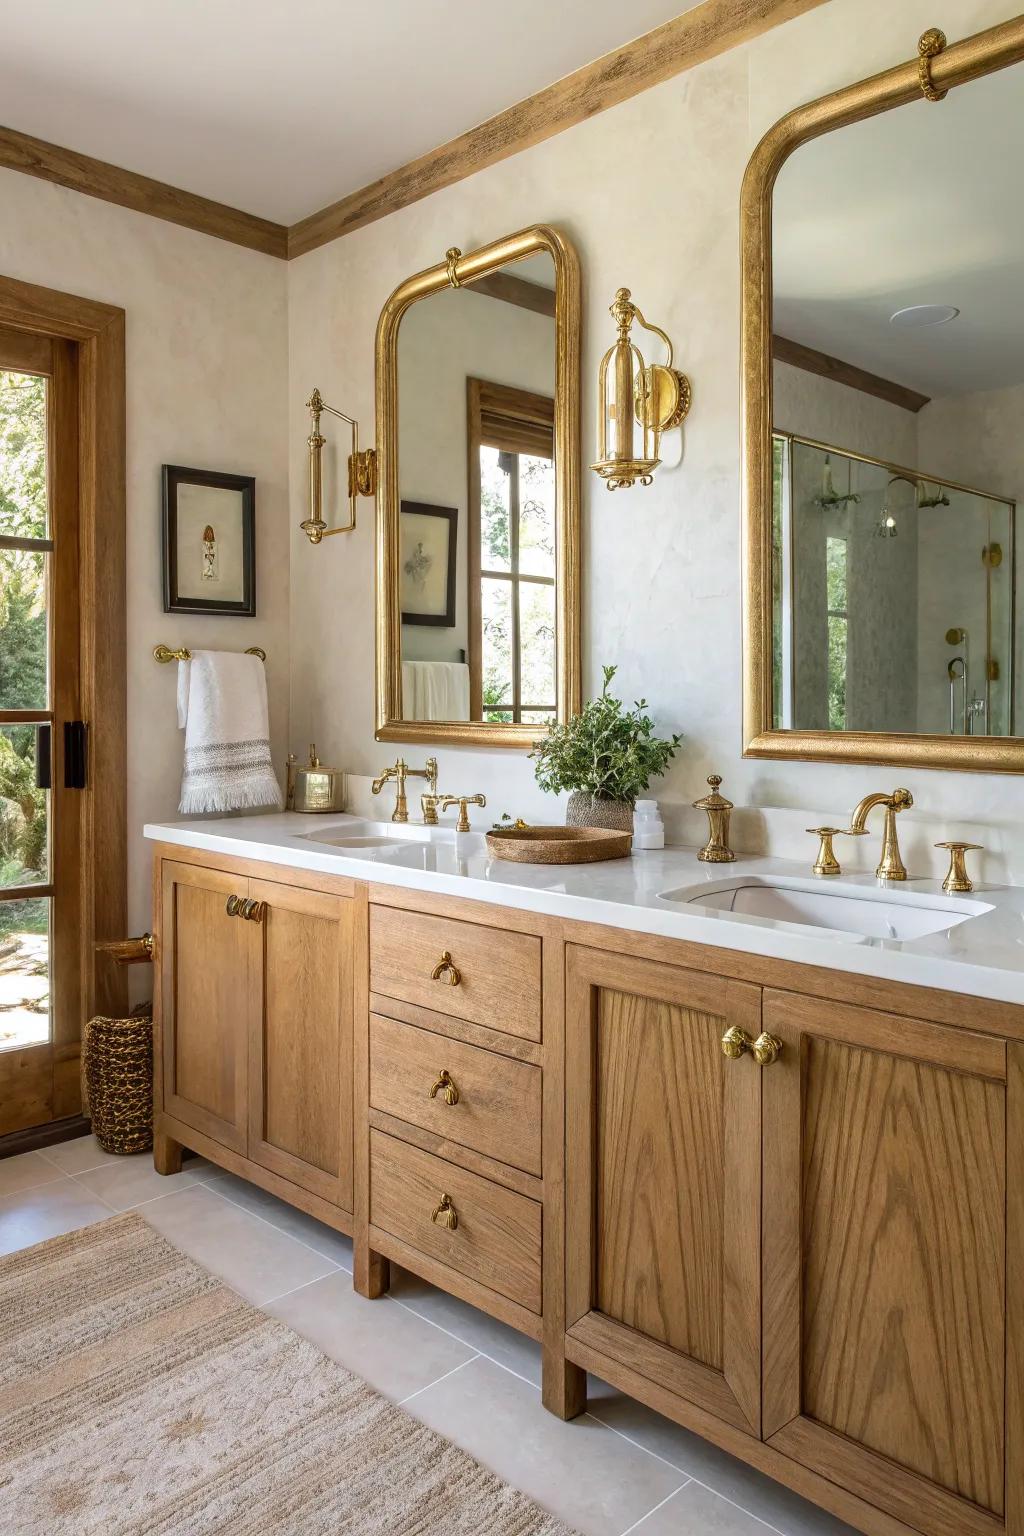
[[918, 206], [282, 108]]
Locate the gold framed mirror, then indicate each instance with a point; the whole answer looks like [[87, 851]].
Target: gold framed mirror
[[478, 505], [883, 408]]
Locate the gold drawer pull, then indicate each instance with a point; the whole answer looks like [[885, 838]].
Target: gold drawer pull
[[447, 1213], [446, 1085], [766, 1049], [446, 966], [734, 1042], [252, 911], [232, 905]]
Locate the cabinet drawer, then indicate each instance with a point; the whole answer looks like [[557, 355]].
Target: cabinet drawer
[[493, 978], [497, 1241], [498, 1108]]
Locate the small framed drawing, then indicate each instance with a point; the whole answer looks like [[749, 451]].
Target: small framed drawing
[[209, 542], [427, 564]]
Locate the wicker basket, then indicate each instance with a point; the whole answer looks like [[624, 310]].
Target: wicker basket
[[117, 1082]]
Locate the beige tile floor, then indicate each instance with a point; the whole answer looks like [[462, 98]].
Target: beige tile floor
[[619, 1468]]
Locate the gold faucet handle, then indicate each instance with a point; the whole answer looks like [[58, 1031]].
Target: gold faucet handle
[[826, 863], [957, 878], [462, 801]]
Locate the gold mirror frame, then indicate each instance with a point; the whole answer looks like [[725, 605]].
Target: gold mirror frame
[[982, 54], [456, 271]]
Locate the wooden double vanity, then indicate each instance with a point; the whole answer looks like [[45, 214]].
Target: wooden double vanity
[[810, 1251]]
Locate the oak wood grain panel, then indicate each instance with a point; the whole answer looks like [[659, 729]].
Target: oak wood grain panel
[[903, 1289], [205, 974], [680, 1374], [921, 1503], [453, 1152], [499, 1104], [455, 1282], [663, 1175], [737, 1441], [26, 1088], [129, 189], [259, 869], [371, 1272], [960, 1050], [699, 34], [300, 1091], [500, 971], [827, 367], [458, 1029], [178, 1134], [498, 1238], [660, 1194]]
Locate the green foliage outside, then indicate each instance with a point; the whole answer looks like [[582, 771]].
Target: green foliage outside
[[22, 643], [607, 750], [835, 588]]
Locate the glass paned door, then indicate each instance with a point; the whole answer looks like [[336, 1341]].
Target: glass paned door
[[39, 824]]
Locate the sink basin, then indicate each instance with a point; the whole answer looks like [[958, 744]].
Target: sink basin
[[853, 913], [389, 840]]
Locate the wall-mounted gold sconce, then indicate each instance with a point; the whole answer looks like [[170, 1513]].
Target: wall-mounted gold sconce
[[362, 472], [630, 391]]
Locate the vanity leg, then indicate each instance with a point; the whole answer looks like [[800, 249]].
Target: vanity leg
[[564, 1385], [371, 1272], [166, 1153]]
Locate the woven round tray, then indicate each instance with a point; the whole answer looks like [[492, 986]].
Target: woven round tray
[[559, 845]]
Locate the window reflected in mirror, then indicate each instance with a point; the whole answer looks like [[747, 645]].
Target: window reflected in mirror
[[898, 421], [476, 471]]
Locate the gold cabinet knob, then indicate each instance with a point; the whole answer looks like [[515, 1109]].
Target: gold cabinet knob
[[734, 1042], [232, 905], [253, 911], [445, 1213], [766, 1049], [446, 967], [446, 1087]]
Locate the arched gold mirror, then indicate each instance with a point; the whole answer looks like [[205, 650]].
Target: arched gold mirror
[[883, 413], [478, 550]]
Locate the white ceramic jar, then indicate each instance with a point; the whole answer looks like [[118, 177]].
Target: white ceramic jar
[[648, 827]]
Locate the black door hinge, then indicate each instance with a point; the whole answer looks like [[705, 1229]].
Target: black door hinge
[[74, 754], [44, 757]]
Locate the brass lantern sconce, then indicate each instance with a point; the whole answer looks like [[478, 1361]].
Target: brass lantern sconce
[[362, 472], [654, 396]]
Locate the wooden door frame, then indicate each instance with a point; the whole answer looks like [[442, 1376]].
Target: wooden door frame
[[901, 1492], [96, 331], [733, 1394]]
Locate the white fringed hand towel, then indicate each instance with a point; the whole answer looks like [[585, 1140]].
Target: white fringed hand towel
[[222, 708]]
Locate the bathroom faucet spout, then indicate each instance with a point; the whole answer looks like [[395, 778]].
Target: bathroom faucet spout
[[890, 865]]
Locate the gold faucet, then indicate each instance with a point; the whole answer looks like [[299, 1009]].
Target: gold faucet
[[400, 772], [890, 865], [462, 801]]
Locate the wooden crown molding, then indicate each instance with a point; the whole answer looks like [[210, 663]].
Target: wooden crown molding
[[699, 34], [702, 33], [834, 368], [113, 184]]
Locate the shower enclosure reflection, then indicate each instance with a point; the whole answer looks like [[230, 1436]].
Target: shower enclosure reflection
[[893, 598]]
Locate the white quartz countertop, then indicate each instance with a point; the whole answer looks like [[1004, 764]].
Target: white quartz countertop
[[982, 956]]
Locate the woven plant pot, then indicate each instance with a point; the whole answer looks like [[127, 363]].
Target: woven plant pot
[[117, 1082], [585, 810]]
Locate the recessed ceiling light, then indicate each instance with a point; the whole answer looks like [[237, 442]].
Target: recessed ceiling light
[[919, 315]]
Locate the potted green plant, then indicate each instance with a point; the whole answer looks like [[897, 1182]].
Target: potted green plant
[[607, 755]]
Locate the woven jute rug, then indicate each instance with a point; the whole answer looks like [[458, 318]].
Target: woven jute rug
[[139, 1396]]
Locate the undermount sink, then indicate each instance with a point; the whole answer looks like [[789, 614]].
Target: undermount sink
[[377, 839], [853, 913]]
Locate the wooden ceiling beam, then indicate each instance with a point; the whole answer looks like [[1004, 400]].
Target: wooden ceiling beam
[[840, 372]]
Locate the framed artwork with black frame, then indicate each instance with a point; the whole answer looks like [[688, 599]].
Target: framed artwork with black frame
[[209, 542], [428, 539]]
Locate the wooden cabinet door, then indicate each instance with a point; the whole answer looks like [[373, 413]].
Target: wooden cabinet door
[[300, 1089], [891, 1149], [205, 965], [664, 1178]]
